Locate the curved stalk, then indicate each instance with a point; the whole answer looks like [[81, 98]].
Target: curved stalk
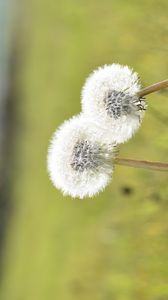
[[157, 166], [153, 88]]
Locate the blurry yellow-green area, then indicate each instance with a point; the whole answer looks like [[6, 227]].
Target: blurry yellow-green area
[[113, 246]]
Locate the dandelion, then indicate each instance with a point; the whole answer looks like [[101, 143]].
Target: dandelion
[[110, 97], [82, 153], [79, 163]]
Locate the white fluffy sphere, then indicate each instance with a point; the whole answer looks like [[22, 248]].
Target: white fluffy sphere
[[109, 97], [79, 163]]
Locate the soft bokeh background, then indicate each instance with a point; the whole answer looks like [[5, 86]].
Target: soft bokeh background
[[114, 246]]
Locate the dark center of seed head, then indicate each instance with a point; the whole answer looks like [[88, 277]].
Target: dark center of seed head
[[118, 103], [85, 156]]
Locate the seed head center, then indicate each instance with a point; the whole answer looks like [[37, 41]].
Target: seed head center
[[119, 103], [85, 156]]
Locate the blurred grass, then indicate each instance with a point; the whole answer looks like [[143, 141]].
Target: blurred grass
[[113, 246]]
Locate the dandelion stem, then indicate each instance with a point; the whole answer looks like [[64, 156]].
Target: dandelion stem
[[154, 88], [158, 166]]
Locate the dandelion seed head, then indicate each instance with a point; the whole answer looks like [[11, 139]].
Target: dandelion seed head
[[110, 97], [79, 162]]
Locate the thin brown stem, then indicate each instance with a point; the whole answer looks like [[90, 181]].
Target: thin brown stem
[[158, 166], [154, 88]]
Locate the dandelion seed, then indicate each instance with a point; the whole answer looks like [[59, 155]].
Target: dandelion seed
[[110, 98], [79, 163]]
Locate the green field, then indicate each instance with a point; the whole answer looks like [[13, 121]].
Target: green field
[[114, 246]]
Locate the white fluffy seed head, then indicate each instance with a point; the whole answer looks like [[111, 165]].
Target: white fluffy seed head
[[79, 163], [109, 97]]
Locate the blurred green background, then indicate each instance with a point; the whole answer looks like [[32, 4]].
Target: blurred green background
[[114, 246]]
